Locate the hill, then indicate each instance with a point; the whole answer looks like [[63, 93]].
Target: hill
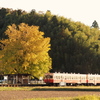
[[75, 47]]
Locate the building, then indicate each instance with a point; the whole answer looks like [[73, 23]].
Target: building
[[22, 79]]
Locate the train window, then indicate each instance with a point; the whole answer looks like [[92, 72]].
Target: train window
[[98, 78], [49, 76], [75, 78], [57, 77], [70, 77], [65, 77], [91, 78], [83, 78], [62, 77], [45, 77]]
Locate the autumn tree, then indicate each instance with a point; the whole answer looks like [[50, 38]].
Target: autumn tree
[[25, 51]]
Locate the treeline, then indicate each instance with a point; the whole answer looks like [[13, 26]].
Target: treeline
[[75, 47]]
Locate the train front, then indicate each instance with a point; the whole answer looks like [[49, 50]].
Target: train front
[[48, 79]]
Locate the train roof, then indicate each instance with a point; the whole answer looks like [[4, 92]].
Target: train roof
[[58, 73], [64, 73]]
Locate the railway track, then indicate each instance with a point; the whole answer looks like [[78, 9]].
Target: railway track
[[19, 85]]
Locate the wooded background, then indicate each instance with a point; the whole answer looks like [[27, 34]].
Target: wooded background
[[75, 47]]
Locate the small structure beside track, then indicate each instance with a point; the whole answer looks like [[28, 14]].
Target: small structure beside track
[[13, 80]]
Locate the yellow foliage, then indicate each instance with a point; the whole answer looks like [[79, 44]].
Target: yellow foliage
[[25, 49]]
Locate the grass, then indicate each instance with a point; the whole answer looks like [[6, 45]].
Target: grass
[[87, 97], [15, 88], [70, 88], [91, 97]]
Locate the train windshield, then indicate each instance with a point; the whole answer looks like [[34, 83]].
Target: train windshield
[[48, 76]]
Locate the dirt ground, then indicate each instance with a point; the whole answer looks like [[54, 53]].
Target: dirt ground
[[17, 95]]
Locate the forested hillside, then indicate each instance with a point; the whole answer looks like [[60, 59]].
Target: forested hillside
[[75, 47]]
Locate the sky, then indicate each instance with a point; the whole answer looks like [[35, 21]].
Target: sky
[[85, 11]]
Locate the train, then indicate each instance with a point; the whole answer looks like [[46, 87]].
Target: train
[[51, 79], [67, 79]]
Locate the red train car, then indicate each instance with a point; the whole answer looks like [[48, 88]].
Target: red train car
[[71, 79]]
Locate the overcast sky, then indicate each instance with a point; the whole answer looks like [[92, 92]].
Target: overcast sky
[[85, 11]]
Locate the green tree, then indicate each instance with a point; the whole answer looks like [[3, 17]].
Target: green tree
[[25, 51]]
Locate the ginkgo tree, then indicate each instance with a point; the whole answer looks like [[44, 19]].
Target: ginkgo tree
[[25, 51]]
